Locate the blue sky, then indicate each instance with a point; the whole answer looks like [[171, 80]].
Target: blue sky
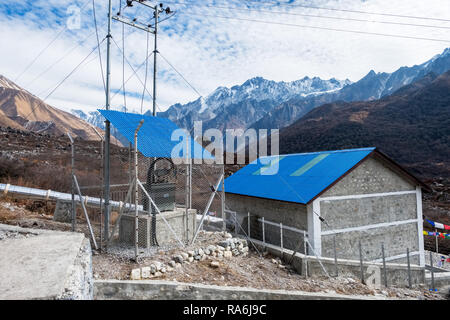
[[210, 51]]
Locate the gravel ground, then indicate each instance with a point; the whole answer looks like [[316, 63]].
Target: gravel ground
[[253, 270]]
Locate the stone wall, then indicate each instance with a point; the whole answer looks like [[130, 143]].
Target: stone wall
[[371, 176], [397, 274], [395, 238], [289, 214]]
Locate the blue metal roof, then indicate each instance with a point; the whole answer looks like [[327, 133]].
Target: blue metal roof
[[294, 177], [155, 135]]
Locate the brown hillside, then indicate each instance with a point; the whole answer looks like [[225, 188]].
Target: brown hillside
[[20, 109], [412, 126]]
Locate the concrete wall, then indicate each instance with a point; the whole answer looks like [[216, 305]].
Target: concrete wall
[[289, 214], [171, 290], [371, 177], [79, 285], [176, 220]]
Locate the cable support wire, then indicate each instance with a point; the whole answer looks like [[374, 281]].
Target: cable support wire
[[98, 44], [134, 74], [146, 73], [47, 46], [179, 73], [286, 4], [319, 28], [307, 15], [65, 78]]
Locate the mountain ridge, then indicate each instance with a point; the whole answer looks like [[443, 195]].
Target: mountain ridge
[[412, 125], [19, 109]]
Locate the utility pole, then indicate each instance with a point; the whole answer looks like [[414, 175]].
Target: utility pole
[[157, 9], [155, 52], [107, 123], [148, 28]]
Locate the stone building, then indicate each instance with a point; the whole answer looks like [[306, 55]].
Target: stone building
[[347, 196]]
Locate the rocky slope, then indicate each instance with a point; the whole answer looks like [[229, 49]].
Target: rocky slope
[[20, 109]]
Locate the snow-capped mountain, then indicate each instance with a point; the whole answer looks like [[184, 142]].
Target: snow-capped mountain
[[371, 87], [261, 103], [96, 119], [252, 99]]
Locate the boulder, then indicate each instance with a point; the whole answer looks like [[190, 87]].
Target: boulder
[[178, 258], [135, 274], [145, 273], [184, 255]]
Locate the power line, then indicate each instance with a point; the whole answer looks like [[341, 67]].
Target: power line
[[46, 47], [180, 75], [98, 44], [67, 53], [134, 74], [146, 71], [60, 83], [72, 72], [348, 10], [319, 28], [309, 15]]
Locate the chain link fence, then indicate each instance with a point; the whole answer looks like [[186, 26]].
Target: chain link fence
[[180, 193]]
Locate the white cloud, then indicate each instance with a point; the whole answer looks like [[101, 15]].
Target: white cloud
[[212, 52]]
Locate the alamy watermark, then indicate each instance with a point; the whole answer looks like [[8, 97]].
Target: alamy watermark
[[73, 21], [230, 148]]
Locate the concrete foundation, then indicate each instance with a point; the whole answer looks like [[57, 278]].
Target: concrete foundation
[[176, 219], [44, 264]]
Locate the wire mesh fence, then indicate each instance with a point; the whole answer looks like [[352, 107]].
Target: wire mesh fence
[[170, 196]]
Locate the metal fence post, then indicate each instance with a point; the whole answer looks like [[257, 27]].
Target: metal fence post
[[306, 254], [136, 200], [432, 271], [384, 266], [361, 262], [224, 226], [248, 224], [335, 255], [437, 240], [409, 268], [281, 235], [263, 233], [235, 224], [72, 165]]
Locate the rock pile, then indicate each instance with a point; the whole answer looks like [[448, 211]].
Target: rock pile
[[222, 250]]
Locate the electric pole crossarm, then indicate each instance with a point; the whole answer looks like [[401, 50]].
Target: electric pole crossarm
[[133, 24], [145, 4]]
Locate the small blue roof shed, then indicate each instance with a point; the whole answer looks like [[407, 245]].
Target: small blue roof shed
[[298, 178]]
